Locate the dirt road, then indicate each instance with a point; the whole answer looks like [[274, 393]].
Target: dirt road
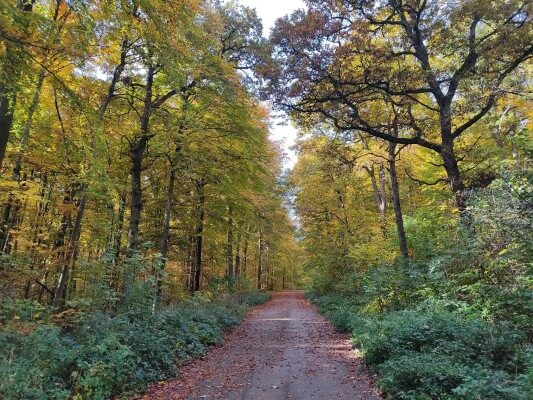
[[283, 350]]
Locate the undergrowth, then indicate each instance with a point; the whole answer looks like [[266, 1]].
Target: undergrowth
[[453, 321], [429, 352], [96, 355]]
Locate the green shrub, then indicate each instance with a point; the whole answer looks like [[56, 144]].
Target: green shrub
[[252, 298], [104, 369], [36, 366], [433, 353], [104, 354], [421, 376], [491, 384], [442, 376]]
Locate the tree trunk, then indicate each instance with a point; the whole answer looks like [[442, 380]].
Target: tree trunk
[[238, 256], [395, 191], [38, 227], [24, 139], [244, 257], [120, 227], [13, 219], [5, 223], [345, 219], [73, 251], [379, 194], [7, 104], [138, 149], [136, 195], [229, 245], [43, 287], [165, 237], [71, 255], [190, 264], [135, 215], [27, 126], [455, 179], [61, 245], [260, 262], [7, 96], [449, 159], [198, 235]]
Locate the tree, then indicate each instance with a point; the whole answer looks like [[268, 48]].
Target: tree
[[12, 65], [442, 65], [126, 133]]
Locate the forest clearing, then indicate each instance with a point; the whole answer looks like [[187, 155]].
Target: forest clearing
[[283, 199]]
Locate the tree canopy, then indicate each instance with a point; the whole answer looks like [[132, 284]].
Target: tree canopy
[[409, 72], [144, 205], [133, 140]]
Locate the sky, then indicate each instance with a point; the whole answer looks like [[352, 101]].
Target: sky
[[269, 11]]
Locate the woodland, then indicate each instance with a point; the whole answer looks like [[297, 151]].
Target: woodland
[[144, 207]]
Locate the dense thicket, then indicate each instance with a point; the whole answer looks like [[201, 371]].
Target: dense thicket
[[414, 186]]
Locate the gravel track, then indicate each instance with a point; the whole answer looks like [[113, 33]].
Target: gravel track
[[284, 349]]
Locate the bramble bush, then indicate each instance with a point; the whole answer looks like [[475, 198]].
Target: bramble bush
[[105, 354]]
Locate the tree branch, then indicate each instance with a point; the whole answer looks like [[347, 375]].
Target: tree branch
[[421, 182]]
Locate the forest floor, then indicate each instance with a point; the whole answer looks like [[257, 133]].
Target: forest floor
[[284, 349]]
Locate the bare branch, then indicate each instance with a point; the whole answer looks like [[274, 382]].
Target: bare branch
[[422, 182]]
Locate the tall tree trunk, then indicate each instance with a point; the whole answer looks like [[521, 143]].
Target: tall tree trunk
[[138, 148], [71, 255], [379, 191], [345, 219], [260, 262], [455, 179], [198, 235], [8, 95], [395, 191], [229, 245], [165, 233], [38, 228], [136, 195], [244, 257], [449, 159], [24, 139], [136, 204], [43, 287], [5, 222], [238, 256], [7, 105], [11, 222], [117, 245], [73, 250], [189, 284], [61, 245], [27, 126], [379, 194]]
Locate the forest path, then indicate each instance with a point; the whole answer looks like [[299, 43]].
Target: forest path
[[284, 349]]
